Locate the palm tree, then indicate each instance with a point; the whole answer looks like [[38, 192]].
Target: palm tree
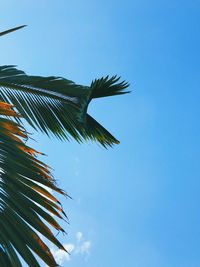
[[57, 107]]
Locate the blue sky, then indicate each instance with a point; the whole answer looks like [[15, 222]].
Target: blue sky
[[136, 205]]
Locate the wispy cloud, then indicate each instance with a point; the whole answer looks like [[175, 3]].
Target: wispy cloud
[[79, 236], [79, 247], [84, 248], [60, 255]]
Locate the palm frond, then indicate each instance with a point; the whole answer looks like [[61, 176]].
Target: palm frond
[[58, 106], [25, 205], [12, 30]]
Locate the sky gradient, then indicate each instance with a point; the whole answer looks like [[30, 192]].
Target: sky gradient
[[136, 205]]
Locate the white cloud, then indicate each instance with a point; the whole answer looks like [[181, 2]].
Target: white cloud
[[85, 247], [69, 247], [80, 247], [62, 256], [79, 236]]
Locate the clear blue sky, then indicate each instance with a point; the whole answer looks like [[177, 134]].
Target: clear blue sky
[[137, 205]]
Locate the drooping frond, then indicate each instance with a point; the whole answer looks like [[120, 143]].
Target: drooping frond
[[58, 106], [26, 207]]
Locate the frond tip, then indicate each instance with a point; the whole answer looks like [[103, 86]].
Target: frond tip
[[12, 30], [107, 86]]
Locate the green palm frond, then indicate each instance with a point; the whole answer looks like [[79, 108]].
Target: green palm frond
[[25, 205], [58, 106]]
